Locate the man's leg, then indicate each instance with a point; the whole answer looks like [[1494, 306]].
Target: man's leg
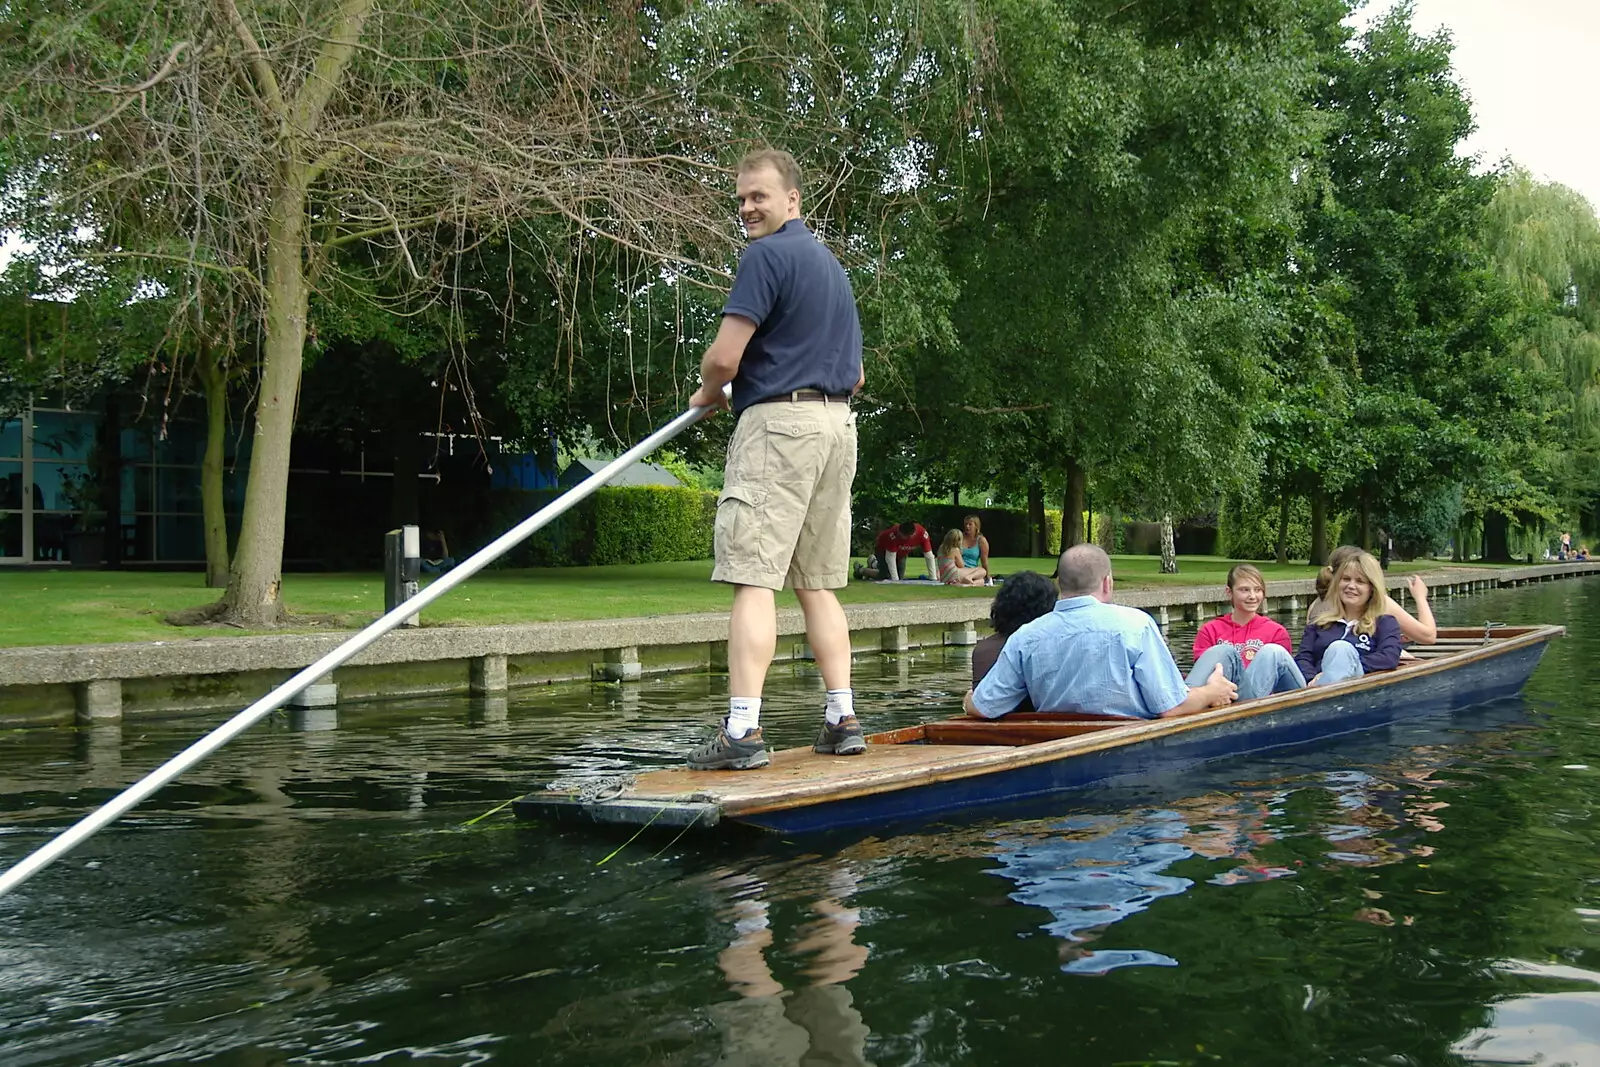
[[1224, 653], [827, 631], [1340, 664], [1272, 670], [753, 639], [814, 573]]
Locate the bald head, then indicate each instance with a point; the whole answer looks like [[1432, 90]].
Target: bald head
[[1082, 571]]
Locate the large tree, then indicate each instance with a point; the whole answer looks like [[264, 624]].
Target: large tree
[[1105, 334], [271, 147]]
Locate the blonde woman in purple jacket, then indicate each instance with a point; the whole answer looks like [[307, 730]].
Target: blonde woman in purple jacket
[[1352, 634]]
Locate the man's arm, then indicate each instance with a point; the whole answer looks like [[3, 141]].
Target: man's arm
[[721, 362], [1004, 687], [1215, 693]]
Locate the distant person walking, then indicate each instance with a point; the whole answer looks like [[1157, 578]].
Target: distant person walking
[[790, 342]]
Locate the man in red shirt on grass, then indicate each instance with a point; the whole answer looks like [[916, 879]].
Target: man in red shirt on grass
[[1253, 650], [890, 549]]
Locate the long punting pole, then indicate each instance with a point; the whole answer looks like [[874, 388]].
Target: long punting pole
[[134, 794]]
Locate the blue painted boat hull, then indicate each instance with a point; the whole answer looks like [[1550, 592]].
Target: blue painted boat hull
[[1471, 683], [927, 772]]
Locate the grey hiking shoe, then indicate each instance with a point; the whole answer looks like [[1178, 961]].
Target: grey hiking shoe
[[724, 753], [842, 740]]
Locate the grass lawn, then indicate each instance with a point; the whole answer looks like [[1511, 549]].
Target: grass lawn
[[84, 607]]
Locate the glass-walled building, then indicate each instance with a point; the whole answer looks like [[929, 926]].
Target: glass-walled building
[[346, 487], [50, 489]]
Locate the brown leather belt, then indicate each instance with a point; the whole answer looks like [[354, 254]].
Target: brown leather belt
[[802, 395]]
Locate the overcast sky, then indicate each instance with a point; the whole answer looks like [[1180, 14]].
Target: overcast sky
[[1527, 65]]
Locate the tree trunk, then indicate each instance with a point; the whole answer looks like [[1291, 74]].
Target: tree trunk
[[1458, 544], [255, 580], [1319, 529], [110, 481], [1496, 538], [1169, 550], [1038, 540], [213, 383], [955, 496], [1107, 532], [1281, 554], [1072, 505], [255, 583], [1364, 532]]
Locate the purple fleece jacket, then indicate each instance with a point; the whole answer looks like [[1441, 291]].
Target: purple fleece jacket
[[1379, 652]]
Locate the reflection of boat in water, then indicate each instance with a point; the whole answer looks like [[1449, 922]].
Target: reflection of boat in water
[[940, 767]]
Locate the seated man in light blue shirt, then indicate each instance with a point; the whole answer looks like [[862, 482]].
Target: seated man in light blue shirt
[[1092, 656]]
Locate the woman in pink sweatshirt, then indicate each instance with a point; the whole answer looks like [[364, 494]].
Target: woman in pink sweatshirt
[[1254, 651]]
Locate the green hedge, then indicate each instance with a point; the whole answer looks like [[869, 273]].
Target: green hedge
[[624, 524], [652, 524]]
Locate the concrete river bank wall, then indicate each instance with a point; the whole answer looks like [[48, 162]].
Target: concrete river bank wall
[[85, 684]]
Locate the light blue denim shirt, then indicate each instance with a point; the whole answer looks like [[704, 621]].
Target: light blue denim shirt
[[1085, 656]]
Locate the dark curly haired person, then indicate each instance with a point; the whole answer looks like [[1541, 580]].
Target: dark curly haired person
[[1025, 596]]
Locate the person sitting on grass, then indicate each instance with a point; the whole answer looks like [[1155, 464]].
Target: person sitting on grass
[[1089, 656], [974, 546], [1253, 650], [1351, 635], [1026, 595], [436, 557], [1419, 629], [951, 569], [888, 561]]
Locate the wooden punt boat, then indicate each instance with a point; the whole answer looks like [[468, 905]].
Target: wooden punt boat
[[937, 768]]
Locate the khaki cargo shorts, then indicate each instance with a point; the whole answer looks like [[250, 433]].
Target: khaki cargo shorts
[[784, 513]]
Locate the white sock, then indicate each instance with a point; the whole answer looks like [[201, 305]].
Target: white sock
[[744, 715], [841, 705]]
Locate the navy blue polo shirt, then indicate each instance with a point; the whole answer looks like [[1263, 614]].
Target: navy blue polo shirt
[[807, 333]]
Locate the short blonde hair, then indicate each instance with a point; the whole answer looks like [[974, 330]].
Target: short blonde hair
[[778, 160], [1377, 603]]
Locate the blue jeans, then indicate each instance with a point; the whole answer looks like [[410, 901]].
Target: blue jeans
[[1271, 671], [1340, 663]]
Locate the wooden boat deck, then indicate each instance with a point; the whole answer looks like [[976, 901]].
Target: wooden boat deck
[[966, 748]]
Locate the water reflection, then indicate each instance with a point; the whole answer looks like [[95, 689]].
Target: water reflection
[[770, 1026], [1540, 1028], [1092, 871]]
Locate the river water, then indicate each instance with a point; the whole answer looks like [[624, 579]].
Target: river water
[[316, 895]]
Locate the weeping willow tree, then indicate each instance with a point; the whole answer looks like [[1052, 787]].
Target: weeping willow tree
[[1545, 242]]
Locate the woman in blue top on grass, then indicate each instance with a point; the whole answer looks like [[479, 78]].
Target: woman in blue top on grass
[[974, 546], [1352, 634]]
